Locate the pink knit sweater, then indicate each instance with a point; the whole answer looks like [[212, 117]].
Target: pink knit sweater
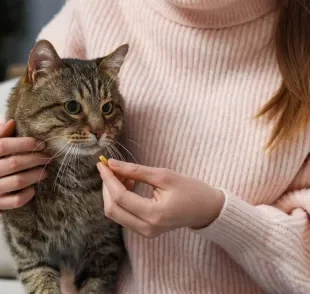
[[197, 73]]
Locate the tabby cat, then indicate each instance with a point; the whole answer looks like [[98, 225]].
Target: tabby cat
[[77, 108]]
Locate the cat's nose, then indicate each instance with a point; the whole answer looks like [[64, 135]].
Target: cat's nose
[[98, 133]]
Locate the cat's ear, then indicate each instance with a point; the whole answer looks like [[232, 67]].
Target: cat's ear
[[43, 60], [112, 63]]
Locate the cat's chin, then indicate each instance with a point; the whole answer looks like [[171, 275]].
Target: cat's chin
[[78, 150], [90, 150]]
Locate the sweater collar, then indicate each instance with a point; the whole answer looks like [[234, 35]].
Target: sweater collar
[[213, 13]]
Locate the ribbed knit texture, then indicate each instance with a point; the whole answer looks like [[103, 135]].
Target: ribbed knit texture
[[192, 92]]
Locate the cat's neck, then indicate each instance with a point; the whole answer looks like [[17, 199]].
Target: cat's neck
[[84, 163], [78, 173]]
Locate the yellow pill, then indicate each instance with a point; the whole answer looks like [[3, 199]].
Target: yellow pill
[[103, 160]]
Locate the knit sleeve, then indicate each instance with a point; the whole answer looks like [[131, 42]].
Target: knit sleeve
[[64, 31], [271, 243]]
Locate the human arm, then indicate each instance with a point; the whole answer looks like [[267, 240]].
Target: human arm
[[271, 242], [271, 245]]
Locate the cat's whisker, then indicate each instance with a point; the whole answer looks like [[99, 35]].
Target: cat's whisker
[[62, 162], [132, 141], [63, 175], [75, 159], [67, 165], [56, 155], [56, 179], [78, 156], [114, 155], [120, 155], [78, 159], [127, 151], [61, 165], [45, 142], [59, 153], [109, 151], [75, 171]]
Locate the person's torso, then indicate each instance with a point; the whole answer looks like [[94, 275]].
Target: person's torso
[[191, 97]]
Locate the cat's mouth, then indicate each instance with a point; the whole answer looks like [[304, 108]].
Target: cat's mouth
[[77, 145], [90, 147]]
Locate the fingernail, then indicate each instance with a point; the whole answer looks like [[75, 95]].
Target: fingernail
[[40, 145], [99, 166], [114, 163]]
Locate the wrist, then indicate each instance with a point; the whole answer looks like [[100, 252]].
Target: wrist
[[218, 201]]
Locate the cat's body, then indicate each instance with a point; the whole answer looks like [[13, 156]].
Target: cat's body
[[64, 226]]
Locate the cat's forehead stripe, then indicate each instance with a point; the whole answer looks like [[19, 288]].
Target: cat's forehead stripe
[[91, 85], [107, 90], [86, 89], [100, 85]]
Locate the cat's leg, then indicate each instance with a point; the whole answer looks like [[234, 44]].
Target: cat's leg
[[98, 286], [99, 275], [37, 275], [39, 278], [102, 261]]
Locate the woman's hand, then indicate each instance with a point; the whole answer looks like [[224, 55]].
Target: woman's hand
[[18, 172], [178, 201]]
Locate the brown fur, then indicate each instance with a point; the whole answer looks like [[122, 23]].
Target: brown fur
[[64, 226]]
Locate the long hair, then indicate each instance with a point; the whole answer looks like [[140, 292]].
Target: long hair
[[290, 107]]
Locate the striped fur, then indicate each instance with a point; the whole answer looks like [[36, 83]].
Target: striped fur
[[64, 226]]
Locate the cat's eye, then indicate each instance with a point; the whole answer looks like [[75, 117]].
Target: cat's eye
[[73, 107], [107, 108]]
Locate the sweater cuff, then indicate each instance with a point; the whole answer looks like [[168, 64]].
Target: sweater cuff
[[240, 226]]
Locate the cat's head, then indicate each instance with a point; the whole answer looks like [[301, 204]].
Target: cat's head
[[70, 102]]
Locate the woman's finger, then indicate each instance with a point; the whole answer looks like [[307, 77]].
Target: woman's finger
[[123, 217], [13, 164], [16, 200], [7, 129], [156, 177], [21, 180], [121, 178], [137, 205], [129, 184], [19, 145]]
